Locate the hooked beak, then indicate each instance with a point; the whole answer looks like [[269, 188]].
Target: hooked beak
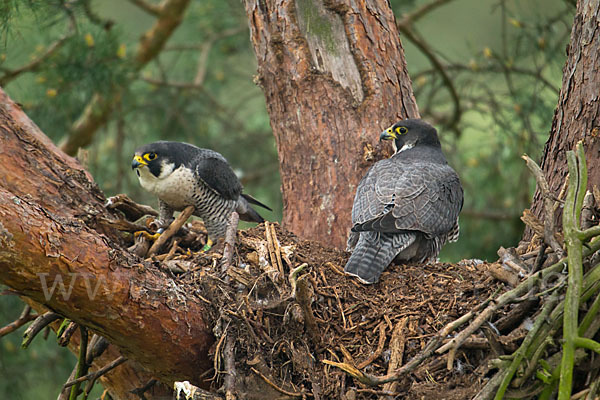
[[388, 134], [138, 162]]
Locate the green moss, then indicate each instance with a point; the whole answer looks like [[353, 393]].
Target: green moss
[[317, 24]]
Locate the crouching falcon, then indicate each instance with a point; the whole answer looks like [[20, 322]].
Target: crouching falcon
[[181, 174], [406, 207]]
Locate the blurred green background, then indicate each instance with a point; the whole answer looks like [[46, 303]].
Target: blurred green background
[[492, 100]]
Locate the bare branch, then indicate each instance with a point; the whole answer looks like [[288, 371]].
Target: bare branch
[[153, 9], [411, 35], [420, 12], [25, 317]]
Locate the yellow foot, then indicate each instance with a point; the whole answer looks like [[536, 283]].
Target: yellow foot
[[149, 235], [207, 246]]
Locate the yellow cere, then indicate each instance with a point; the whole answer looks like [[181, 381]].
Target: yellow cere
[[140, 160]]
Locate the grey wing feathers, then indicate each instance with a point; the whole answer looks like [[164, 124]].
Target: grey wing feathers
[[218, 175], [418, 196]]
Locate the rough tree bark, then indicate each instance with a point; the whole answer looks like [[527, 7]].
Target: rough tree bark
[[334, 75], [577, 116], [51, 229]]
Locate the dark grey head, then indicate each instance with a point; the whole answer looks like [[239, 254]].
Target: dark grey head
[[155, 155], [409, 133]]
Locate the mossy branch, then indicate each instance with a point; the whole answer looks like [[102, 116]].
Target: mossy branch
[[82, 365], [571, 217]]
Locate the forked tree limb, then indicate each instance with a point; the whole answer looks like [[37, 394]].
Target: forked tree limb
[[50, 233]]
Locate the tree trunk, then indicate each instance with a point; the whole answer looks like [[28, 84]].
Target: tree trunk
[[334, 75], [577, 116], [51, 232]]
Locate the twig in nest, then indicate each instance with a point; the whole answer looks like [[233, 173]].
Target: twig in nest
[[293, 277], [24, 318], [502, 274], [397, 343], [510, 259], [171, 230], [303, 297], [36, 326], [271, 244], [217, 358], [169, 256], [539, 260], [277, 247], [229, 246], [433, 344], [274, 386], [379, 349], [132, 210], [230, 368], [548, 206], [140, 246]]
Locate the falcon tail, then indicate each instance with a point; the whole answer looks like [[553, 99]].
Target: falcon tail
[[245, 210], [373, 253], [252, 200]]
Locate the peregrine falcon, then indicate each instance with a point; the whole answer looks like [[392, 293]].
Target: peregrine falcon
[[181, 174], [406, 207]]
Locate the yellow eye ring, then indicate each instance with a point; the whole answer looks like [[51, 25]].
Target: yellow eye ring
[[150, 156], [401, 130]]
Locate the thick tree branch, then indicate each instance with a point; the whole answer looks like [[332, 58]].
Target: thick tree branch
[[54, 250]]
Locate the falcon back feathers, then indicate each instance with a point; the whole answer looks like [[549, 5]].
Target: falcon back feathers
[[406, 207]]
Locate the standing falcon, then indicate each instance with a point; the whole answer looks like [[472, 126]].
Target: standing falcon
[[406, 207], [181, 174]]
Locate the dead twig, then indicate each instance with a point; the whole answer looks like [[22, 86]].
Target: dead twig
[[171, 230], [96, 374], [230, 371], [303, 297], [24, 318], [132, 210], [379, 349], [229, 246], [36, 326], [397, 343], [276, 263], [274, 386], [549, 205]]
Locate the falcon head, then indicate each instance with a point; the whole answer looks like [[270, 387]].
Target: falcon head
[[409, 133], [156, 160]]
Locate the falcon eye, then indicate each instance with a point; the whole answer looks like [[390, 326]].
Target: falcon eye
[[401, 130], [150, 156]]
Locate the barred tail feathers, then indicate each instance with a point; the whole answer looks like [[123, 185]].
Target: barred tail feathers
[[374, 252]]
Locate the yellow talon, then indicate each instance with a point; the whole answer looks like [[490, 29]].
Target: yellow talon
[[147, 235]]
